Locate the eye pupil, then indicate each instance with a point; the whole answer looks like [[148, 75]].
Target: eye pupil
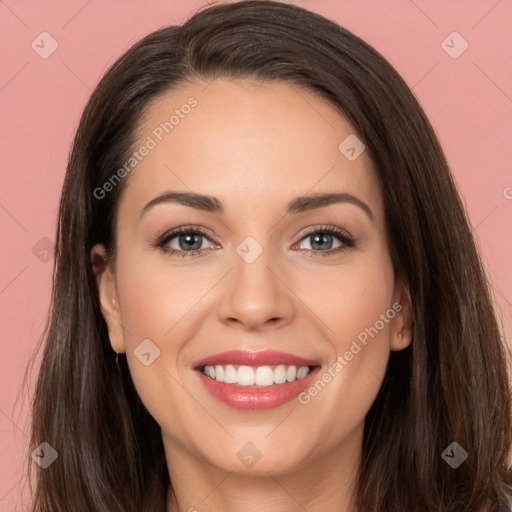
[[322, 239], [190, 240]]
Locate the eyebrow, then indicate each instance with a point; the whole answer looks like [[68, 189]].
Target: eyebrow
[[297, 205]]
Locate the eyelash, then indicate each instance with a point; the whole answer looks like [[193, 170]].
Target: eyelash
[[163, 240]]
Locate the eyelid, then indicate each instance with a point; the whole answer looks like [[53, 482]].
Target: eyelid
[[162, 240], [325, 228]]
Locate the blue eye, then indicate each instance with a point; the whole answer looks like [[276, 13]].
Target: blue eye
[[190, 241], [187, 238], [322, 238]]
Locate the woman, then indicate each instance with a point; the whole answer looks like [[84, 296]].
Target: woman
[[266, 292]]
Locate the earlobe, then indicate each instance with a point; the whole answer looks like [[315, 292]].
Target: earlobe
[[401, 328], [107, 294]]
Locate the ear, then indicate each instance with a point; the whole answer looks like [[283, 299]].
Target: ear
[[107, 293], [401, 325]]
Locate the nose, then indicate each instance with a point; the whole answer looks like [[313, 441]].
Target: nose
[[256, 295]]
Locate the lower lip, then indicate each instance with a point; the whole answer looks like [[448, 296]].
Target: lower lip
[[256, 399]]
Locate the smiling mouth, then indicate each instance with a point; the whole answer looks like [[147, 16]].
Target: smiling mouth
[[243, 376]]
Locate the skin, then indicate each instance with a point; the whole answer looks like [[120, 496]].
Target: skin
[[254, 146]]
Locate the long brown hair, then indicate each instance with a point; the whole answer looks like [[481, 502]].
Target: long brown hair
[[450, 385]]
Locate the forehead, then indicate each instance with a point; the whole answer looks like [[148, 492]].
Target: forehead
[[255, 144]]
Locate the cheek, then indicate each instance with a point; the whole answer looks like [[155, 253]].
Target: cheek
[[363, 307], [155, 297], [358, 312], [165, 303], [158, 305], [351, 299]]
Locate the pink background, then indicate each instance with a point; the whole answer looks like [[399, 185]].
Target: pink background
[[468, 100]]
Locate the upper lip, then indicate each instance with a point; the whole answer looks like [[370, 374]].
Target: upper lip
[[249, 358]]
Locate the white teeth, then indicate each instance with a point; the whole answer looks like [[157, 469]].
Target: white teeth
[[280, 374], [245, 376], [262, 376], [230, 374], [219, 373], [302, 372], [291, 373]]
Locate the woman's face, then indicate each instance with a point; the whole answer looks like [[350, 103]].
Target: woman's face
[[268, 272]]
